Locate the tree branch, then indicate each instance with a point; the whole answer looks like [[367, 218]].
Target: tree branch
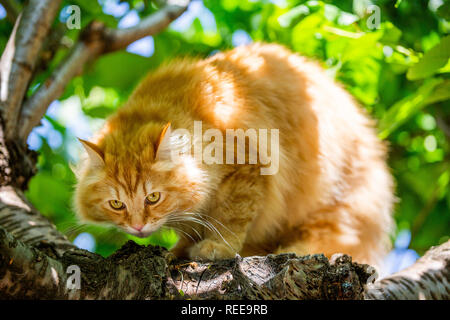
[[21, 54], [21, 220], [35, 108], [153, 24], [138, 272], [25, 270], [94, 41], [428, 278]]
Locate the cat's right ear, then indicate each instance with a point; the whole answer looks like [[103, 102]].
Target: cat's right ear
[[95, 154]]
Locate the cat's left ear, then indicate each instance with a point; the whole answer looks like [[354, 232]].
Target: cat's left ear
[[163, 144], [94, 153]]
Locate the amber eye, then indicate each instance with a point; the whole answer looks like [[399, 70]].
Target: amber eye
[[116, 204], [153, 197]]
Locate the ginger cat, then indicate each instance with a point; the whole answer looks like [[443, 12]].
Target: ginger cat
[[331, 192]]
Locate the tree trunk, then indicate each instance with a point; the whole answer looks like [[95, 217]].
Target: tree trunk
[[36, 261]]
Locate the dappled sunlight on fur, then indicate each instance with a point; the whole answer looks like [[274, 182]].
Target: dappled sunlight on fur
[[332, 192]]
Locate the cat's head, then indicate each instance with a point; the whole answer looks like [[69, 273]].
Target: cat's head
[[136, 186]]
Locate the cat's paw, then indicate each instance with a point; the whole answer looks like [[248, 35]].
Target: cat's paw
[[211, 250]]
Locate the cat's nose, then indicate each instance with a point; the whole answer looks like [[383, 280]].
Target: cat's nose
[[138, 227]]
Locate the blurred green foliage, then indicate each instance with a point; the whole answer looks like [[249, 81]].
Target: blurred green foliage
[[397, 67]]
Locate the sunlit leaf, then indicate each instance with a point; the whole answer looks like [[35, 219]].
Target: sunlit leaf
[[432, 61], [406, 107]]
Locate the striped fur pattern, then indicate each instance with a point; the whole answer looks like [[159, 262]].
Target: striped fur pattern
[[333, 191]]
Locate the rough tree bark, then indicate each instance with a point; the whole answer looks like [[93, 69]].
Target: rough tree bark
[[35, 257]]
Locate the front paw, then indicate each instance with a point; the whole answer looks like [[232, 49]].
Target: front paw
[[211, 250]]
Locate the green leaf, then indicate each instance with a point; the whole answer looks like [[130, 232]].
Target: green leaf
[[285, 20], [99, 112], [391, 34], [436, 58], [444, 11], [304, 34], [406, 107], [120, 70], [362, 47], [440, 93]]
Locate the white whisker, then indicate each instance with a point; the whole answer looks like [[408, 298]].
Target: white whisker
[[183, 233], [184, 216], [204, 216]]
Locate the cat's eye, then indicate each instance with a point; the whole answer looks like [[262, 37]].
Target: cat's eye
[[116, 204], [153, 197]]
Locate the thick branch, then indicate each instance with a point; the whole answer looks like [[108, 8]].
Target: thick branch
[[428, 278], [35, 108], [138, 272], [25, 271], [16, 162], [21, 54], [94, 41], [21, 220], [39, 270]]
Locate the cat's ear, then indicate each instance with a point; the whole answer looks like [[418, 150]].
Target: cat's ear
[[163, 145], [94, 153]]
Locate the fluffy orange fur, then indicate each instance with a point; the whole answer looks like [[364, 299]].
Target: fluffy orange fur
[[332, 192]]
